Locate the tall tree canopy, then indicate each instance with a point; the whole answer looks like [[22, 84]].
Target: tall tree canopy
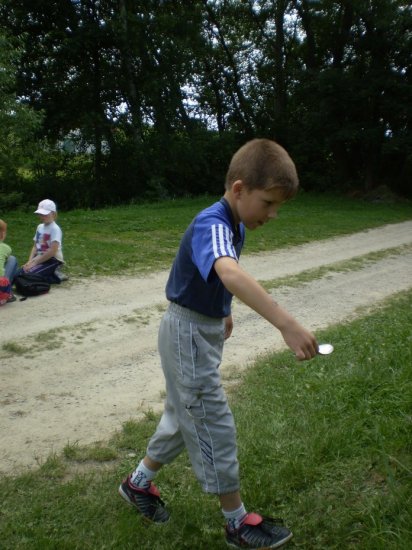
[[18, 123], [146, 99]]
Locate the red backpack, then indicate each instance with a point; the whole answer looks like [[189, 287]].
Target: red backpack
[[5, 290]]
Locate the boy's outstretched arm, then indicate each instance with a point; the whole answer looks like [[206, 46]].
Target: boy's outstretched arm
[[248, 290]]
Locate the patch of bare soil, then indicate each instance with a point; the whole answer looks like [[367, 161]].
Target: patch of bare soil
[[78, 362]]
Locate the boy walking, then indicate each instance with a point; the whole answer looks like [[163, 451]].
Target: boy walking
[[204, 277]]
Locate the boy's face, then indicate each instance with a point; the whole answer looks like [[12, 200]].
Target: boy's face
[[257, 206], [46, 218]]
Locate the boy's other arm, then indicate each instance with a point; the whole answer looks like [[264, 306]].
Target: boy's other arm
[[228, 326], [248, 290], [32, 254], [35, 259]]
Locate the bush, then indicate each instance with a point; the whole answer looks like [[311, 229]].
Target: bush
[[12, 201]]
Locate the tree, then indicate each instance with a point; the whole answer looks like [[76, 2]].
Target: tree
[[154, 95], [348, 86], [18, 125]]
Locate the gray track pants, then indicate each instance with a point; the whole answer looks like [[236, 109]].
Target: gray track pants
[[196, 414]]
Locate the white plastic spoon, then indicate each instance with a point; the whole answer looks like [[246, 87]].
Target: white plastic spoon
[[325, 349]]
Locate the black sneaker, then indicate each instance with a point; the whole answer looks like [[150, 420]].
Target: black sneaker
[[147, 501], [258, 532]]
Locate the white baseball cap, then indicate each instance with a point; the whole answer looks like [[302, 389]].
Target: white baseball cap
[[45, 207]]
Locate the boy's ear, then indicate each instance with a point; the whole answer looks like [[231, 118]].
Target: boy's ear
[[237, 188]]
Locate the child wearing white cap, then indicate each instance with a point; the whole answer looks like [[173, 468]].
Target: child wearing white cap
[[46, 254]]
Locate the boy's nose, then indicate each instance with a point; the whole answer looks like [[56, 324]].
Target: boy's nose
[[273, 214]]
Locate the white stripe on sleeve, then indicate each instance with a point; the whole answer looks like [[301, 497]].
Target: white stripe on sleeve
[[222, 241]]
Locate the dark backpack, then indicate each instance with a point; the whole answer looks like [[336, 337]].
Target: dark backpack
[[31, 284]]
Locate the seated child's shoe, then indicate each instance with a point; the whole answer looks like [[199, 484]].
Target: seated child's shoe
[[256, 532], [146, 501], [12, 298], [60, 275]]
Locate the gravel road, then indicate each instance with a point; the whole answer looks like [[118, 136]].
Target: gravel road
[[90, 361]]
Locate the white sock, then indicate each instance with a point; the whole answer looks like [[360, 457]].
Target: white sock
[[234, 517], [142, 476]]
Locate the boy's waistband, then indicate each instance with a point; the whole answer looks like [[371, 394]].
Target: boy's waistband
[[187, 314]]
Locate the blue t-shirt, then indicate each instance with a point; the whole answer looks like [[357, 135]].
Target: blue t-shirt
[[193, 282]]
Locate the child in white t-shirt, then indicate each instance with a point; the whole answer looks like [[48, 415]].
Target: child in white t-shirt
[[46, 254]]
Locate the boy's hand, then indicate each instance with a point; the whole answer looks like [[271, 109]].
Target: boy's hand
[[27, 265], [301, 342], [228, 326]]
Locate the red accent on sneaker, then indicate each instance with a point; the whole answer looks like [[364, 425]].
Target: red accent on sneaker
[[153, 490], [252, 519]]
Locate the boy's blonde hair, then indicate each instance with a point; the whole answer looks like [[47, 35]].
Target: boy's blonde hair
[[3, 229], [263, 164]]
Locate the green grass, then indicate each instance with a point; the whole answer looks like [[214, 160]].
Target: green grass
[[338, 433], [45, 340], [142, 238], [326, 444]]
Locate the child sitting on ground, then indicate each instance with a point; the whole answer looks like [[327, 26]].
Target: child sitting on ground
[[46, 256], [8, 263]]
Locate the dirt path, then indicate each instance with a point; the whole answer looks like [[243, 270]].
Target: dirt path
[[81, 360]]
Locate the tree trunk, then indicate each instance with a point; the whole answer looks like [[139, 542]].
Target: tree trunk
[[127, 63]]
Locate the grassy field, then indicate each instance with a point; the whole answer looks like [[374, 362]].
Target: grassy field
[[333, 454], [142, 238]]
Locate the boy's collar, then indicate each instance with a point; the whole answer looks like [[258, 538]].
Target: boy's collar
[[235, 226]]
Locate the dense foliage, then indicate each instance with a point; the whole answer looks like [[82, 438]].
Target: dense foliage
[[127, 100]]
